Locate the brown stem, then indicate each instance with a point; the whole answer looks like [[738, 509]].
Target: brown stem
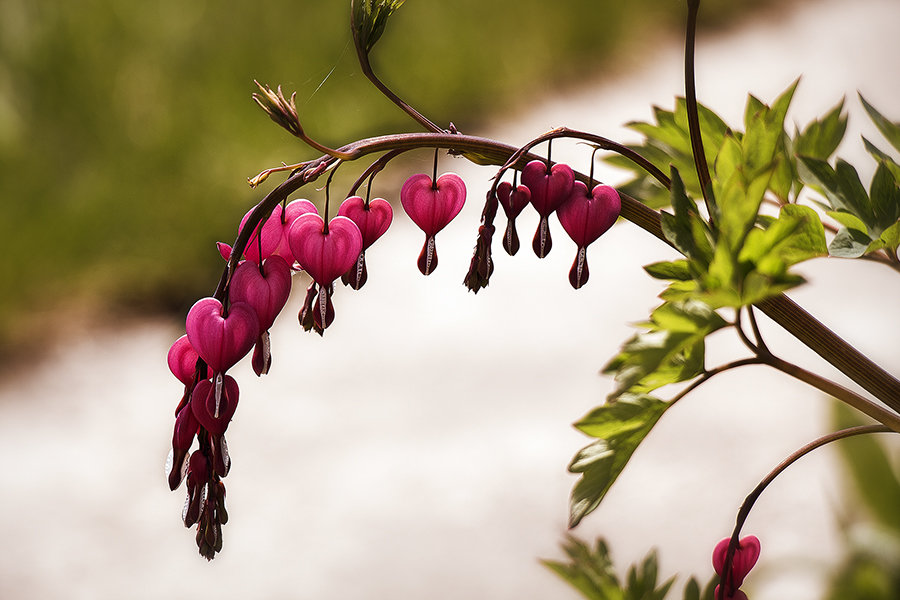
[[751, 499], [780, 309], [690, 93]]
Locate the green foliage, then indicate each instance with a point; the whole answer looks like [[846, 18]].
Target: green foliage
[[369, 18], [591, 572], [621, 427], [692, 590]]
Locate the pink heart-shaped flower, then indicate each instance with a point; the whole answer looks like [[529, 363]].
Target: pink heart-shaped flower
[[182, 359], [274, 231], [513, 202], [291, 212], [325, 255], [745, 557], [221, 340], [215, 414], [548, 189], [586, 217], [373, 220], [432, 205], [267, 291]]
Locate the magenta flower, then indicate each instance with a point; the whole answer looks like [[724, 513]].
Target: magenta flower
[[274, 239], [373, 219], [549, 189], [221, 339], [513, 202], [266, 288], [585, 217], [325, 253], [745, 557], [432, 205]]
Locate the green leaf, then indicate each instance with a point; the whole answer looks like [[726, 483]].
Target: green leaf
[[884, 158], [890, 237], [672, 349], [847, 220], [821, 137], [679, 270], [764, 130], [686, 229], [368, 20], [589, 572], [841, 186], [797, 235], [870, 469], [889, 129], [601, 462], [849, 243], [885, 195]]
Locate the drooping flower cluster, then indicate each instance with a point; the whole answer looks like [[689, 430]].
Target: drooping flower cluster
[[744, 558], [221, 330]]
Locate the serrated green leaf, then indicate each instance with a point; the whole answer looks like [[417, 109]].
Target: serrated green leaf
[[601, 462], [686, 229], [880, 156], [821, 137], [764, 130], [846, 219], [672, 349], [797, 235], [849, 243], [841, 186], [870, 468], [589, 572], [889, 129], [678, 270], [889, 238], [885, 196]]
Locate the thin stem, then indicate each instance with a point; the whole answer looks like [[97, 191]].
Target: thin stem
[[710, 374], [739, 326], [886, 417], [780, 309], [374, 168], [761, 344], [751, 499], [690, 93]]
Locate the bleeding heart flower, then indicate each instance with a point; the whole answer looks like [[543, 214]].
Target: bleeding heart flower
[[549, 189], [745, 557], [186, 427], [586, 217], [513, 202], [432, 205], [266, 289], [221, 340], [325, 254], [274, 232], [211, 413], [373, 221], [182, 359]]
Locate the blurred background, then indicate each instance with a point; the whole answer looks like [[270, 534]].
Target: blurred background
[[419, 448], [127, 132]]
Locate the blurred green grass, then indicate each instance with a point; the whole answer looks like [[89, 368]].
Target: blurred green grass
[[127, 131]]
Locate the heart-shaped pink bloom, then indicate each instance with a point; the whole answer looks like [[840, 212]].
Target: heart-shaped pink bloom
[[513, 202], [548, 189], [586, 217], [432, 205], [373, 220], [274, 231], [182, 359], [266, 292], [745, 557], [221, 340], [325, 256], [291, 212], [214, 414]]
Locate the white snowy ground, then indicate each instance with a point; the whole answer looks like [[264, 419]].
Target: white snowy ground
[[419, 449]]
